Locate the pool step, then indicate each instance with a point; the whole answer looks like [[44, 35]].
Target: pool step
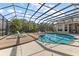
[[43, 43]]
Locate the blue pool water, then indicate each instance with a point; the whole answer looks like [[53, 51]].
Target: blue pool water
[[56, 38]]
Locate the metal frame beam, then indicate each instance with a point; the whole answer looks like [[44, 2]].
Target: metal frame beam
[[2, 26], [56, 12], [38, 10], [63, 13], [50, 7], [58, 18], [6, 7], [59, 14], [11, 17], [7, 27], [8, 14], [12, 13], [69, 15], [14, 9], [26, 10], [47, 11]]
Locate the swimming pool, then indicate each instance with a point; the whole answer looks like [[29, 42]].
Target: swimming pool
[[56, 38]]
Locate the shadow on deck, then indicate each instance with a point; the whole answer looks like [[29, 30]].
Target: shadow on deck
[[57, 52], [14, 50]]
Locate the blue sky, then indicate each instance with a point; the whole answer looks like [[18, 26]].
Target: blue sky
[[32, 6]]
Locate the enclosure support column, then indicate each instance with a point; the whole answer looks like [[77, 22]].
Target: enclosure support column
[[63, 27], [2, 26], [68, 28], [7, 29], [56, 27]]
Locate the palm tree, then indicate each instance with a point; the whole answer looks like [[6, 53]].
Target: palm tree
[[16, 25]]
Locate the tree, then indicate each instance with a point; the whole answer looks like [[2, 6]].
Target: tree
[[22, 25], [16, 25]]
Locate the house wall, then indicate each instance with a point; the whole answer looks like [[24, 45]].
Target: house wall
[[60, 28], [63, 27]]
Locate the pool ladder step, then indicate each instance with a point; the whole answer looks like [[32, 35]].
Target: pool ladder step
[[43, 43]]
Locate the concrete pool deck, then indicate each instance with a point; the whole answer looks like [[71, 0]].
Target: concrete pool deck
[[37, 48], [8, 41]]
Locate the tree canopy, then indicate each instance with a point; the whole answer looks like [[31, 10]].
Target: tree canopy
[[22, 25]]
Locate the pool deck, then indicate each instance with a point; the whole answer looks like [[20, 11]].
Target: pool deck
[[33, 47]]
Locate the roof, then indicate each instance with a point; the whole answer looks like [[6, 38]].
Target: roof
[[38, 12]]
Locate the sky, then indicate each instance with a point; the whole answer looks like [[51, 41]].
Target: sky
[[31, 10]]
